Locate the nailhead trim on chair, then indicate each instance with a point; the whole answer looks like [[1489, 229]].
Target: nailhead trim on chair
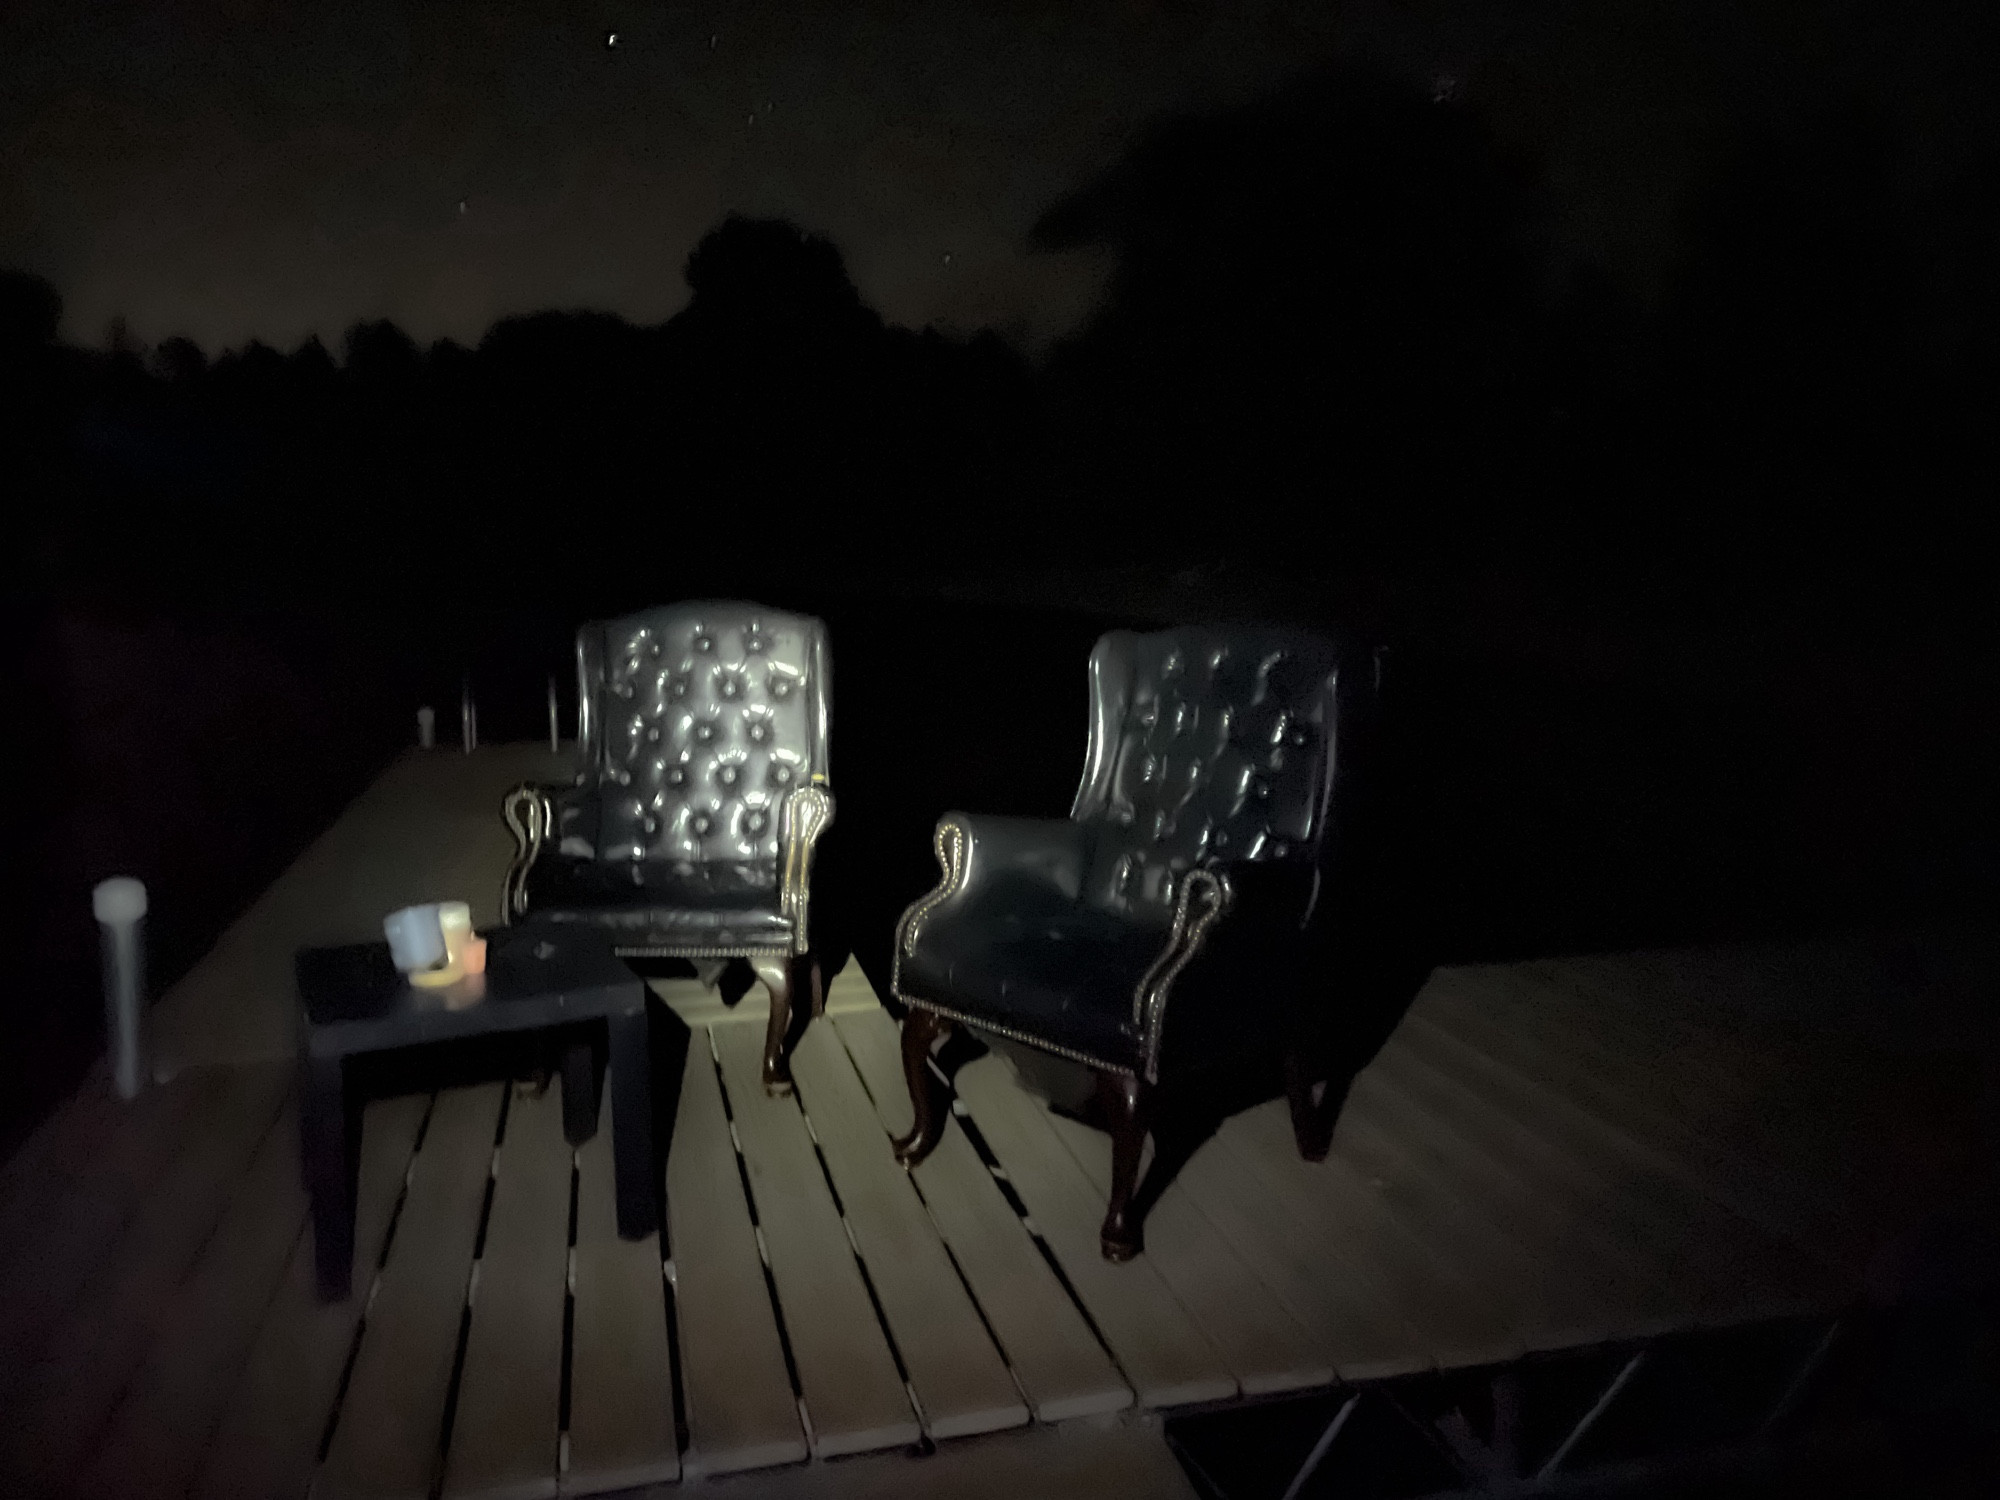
[[980, 1023]]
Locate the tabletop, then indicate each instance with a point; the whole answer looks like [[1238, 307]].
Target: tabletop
[[536, 975]]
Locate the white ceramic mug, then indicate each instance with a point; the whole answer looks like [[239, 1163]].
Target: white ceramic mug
[[416, 938]]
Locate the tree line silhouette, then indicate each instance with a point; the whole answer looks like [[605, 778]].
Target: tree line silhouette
[[1336, 337]]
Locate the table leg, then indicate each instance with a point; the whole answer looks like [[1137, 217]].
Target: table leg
[[583, 1085], [632, 1124], [327, 1156]]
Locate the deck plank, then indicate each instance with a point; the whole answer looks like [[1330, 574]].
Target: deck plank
[[1680, 1100], [1605, 1203], [1163, 1352], [854, 1396], [94, 1184], [1778, 1098], [1460, 1322], [1563, 1298], [157, 1438], [74, 1382], [268, 1437], [43, 1168], [1060, 1364], [385, 1443], [1265, 1347], [1360, 1334], [1571, 1207], [505, 1432], [621, 1422], [1633, 1027], [1692, 1035], [1728, 1266], [741, 1410], [961, 1381]]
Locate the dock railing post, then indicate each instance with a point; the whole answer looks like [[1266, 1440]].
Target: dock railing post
[[468, 716], [555, 743], [120, 908]]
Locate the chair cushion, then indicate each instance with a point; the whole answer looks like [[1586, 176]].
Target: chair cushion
[[677, 929], [1028, 960], [714, 906]]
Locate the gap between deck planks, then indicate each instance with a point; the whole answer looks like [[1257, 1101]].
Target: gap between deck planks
[[854, 1395], [1063, 1369], [741, 1410], [385, 1442], [962, 1384], [621, 1411], [265, 1439], [1266, 1348], [1165, 1355], [506, 1426]]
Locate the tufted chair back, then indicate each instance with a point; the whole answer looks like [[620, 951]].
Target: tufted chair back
[[1208, 746], [697, 720]]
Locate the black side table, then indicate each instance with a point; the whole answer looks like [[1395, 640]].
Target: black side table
[[538, 977]]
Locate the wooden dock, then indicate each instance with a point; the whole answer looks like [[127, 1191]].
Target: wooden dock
[[1546, 1156]]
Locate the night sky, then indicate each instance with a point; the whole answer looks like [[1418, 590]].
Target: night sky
[[229, 168]]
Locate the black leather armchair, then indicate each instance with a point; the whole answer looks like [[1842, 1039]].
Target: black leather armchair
[[1161, 929], [700, 794]]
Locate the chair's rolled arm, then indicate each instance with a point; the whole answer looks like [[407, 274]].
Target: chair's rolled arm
[[808, 812], [977, 851], [530, 816], [1203, 897]]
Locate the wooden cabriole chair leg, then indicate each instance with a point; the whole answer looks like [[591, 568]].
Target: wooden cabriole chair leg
[[815, 981], [776, 974], [1125, 1101], [1315, 1100], [921, 1029]]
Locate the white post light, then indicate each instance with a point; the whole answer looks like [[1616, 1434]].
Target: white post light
[[468, 717], [426, 728], [120, 906], [555, 743]]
